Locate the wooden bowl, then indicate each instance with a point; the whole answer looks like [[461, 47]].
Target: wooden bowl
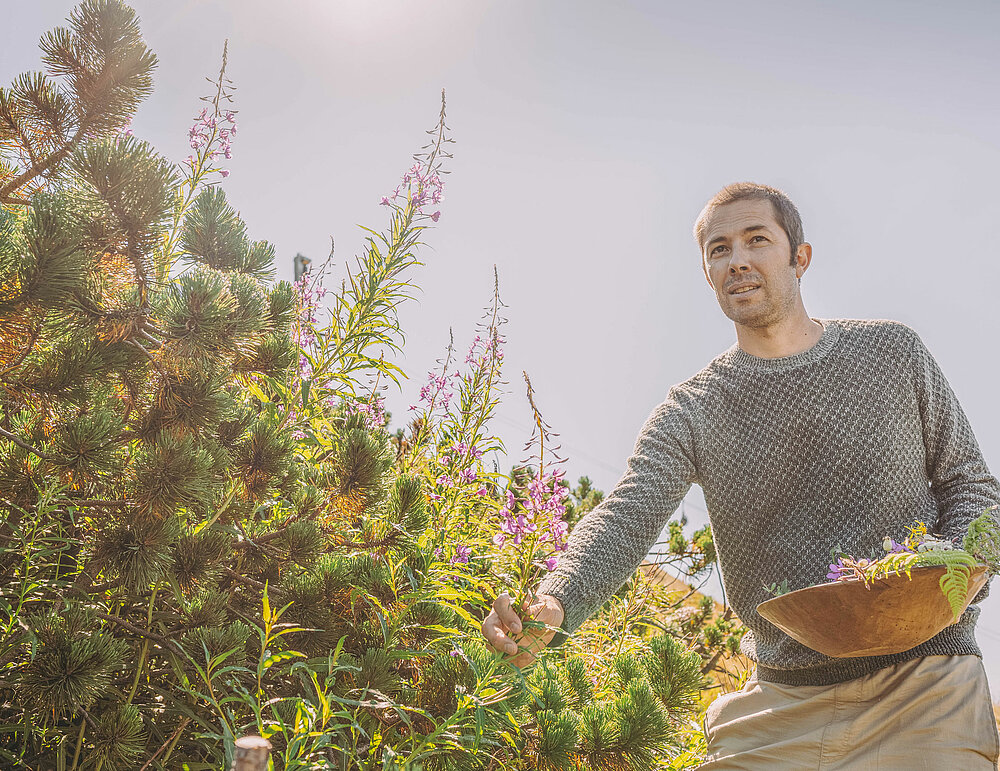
[[845, 619]]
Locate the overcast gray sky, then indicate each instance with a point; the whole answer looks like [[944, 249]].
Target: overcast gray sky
[[589, 135]]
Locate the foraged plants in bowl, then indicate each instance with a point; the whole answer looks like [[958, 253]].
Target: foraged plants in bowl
[[893, 603]]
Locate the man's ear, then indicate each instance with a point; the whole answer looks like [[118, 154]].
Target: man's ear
[[803, 256]]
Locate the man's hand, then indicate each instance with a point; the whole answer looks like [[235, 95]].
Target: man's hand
[[506, 633]]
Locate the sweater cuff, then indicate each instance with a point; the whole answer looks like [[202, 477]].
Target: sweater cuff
[[574, 609]]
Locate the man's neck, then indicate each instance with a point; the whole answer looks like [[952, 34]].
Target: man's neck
[[790, 336]]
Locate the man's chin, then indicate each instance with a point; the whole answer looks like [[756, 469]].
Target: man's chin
[[747, 318]]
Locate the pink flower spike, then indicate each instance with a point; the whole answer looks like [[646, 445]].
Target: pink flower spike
[[384, 201]]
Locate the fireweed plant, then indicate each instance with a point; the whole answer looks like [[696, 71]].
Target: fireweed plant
[[210, 138], [208, 530], [533, 525]]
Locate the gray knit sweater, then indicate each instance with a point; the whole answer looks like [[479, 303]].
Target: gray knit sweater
[[843, 444]]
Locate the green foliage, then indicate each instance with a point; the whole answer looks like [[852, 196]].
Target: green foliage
[[983, 539], [118, 739], [106, 72], [73, 663], [206, 537], [215, 236]]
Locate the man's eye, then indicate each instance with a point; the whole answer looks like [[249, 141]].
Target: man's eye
[[756, 237], [717, 250]]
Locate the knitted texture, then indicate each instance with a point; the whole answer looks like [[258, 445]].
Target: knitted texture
[[840, 445]]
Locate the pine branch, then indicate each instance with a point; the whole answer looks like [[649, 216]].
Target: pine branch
[[12, 200], [24, 445], [150, 338], [86, 716], [45, 165], [143, 633], [105, 89], [257, 544], [241, 579], [140, 347], [99, 503], [24, 354], [267, 537], [167, 743]]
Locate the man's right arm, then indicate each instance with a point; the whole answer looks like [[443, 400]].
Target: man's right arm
[[609, 542]]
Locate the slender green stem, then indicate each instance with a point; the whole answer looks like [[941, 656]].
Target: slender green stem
[[79, 744], [138, 671], [145, 649]]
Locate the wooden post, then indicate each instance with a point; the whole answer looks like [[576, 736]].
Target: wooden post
[[252, 753]]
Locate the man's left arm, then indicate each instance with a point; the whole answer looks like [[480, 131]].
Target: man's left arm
[[960, 480]]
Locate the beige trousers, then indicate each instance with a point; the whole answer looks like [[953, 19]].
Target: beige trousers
[[927, 714]]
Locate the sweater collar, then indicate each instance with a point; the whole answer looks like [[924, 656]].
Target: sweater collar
[[827, 340]]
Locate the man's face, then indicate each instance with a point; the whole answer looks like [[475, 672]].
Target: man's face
[[746, 258]]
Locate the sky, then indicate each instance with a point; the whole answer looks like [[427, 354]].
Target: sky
[[588, 136]]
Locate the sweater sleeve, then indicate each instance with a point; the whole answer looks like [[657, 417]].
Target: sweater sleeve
[[609, 542], [960, 480]]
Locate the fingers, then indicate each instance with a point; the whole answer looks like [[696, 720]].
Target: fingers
[[493, 631], [500, 623], [529, 645], [502, 607], [506, 634]]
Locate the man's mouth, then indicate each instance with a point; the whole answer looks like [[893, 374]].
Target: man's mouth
[[743, 289]]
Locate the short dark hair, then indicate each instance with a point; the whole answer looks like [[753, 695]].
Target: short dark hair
[[784, 210]]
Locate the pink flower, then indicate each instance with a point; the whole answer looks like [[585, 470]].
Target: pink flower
[[224, 173], [435, 216], [461, 554], [551, 562]]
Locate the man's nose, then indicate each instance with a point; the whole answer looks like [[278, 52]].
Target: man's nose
[[738, 263]]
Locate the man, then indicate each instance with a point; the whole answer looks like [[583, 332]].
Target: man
[[806, 434]]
